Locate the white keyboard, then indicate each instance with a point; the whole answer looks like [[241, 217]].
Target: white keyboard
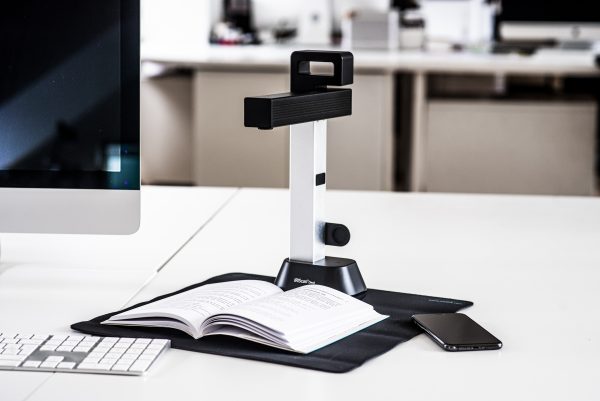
[[79, 353]]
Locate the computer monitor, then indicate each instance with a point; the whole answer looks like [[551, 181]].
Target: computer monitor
[[69, 116], [549, 20]]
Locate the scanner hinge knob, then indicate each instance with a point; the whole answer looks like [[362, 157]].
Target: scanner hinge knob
[[336, 234]]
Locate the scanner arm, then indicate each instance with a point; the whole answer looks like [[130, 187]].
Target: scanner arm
[[306, 109]]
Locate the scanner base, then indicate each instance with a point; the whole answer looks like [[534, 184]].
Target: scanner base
[[338, 273]]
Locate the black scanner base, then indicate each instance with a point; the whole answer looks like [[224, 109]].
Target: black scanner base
[[338, 273]]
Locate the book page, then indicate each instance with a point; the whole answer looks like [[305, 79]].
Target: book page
[[195, 305], [296, 310]]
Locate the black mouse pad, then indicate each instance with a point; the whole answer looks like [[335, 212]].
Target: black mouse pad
[[340, 357]]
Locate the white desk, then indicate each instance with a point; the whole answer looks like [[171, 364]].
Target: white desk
[[530, 264], [48, 281], [278, 58], [169, 217]]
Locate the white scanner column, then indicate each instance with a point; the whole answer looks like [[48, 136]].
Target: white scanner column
[[308, 157]]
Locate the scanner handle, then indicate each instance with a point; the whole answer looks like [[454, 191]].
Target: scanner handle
[[303, 81]]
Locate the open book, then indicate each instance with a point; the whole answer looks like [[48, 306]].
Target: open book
[[301, 320]]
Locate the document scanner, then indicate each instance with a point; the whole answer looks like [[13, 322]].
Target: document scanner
[[306, 110]]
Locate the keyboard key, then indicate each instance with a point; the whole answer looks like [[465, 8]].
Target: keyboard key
[[87, 365], [65, 348], [31, 364], [143, 341], [134, 351], [117, 351], [152, 352], [24, 336], [54, 358], [80, 348], [105, 366], [66, 365], [41, 337], [123, 363], [48, 348], [140, 366], [12, 357], [9, 363], [50, 365], [31, 342]]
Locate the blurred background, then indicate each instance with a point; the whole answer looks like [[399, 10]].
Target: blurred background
[[474, 96]]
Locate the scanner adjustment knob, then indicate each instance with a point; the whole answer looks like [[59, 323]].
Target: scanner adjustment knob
[[336, 234]]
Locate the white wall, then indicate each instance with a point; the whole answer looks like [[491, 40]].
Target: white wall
[[269, 12], [463, 21], [168, 21], [457, 21], [190, 20]]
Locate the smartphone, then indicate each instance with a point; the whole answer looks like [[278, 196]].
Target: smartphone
[[456, 332]]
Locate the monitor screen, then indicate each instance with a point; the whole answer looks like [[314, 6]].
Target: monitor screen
[[69, 94], [550, 11]]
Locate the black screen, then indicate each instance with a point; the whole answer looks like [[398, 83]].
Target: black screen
[[69, 112], [550, 11]]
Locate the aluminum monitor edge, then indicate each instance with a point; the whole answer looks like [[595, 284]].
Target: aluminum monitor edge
[[69, 211]]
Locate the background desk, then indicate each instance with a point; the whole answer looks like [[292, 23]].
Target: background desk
[[530, 264], [421, 121]]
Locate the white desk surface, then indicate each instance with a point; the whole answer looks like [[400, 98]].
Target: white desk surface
[[278, 58], [47, 282], [169, 217], [530, 264]]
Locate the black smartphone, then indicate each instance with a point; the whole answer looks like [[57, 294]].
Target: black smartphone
[[456, 332]]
